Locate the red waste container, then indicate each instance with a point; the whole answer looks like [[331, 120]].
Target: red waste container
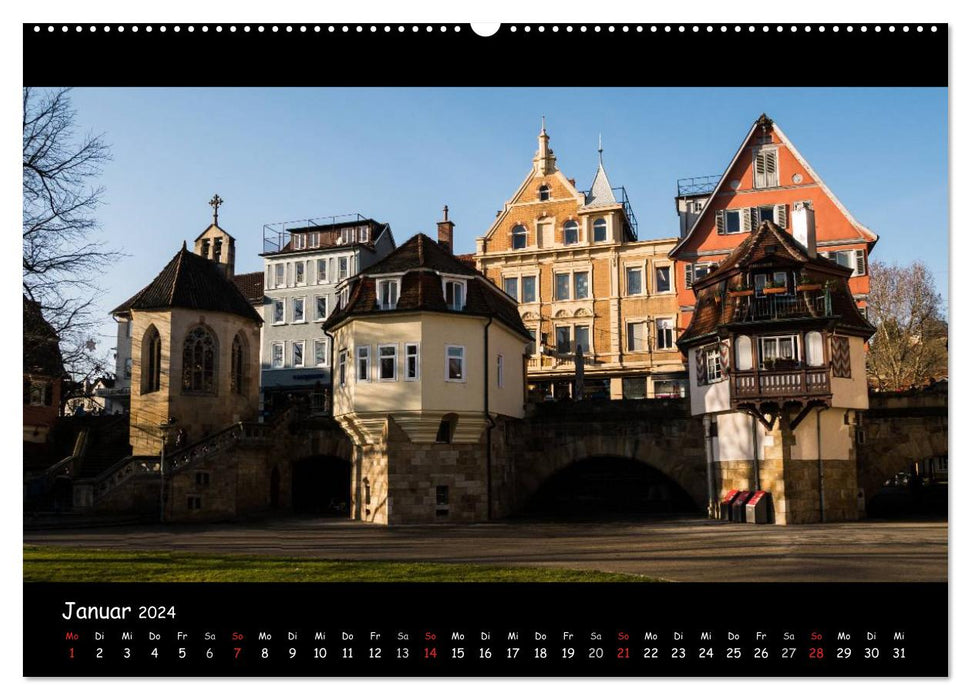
[[738, 506], [758, 509], [726, 504]]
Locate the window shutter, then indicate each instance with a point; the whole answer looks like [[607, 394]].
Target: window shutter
[[860, 263], [771, 171], [700, 369], [759, 170], [780, 215], [689, 269], [720, 221], [750, 217], [725, 353]]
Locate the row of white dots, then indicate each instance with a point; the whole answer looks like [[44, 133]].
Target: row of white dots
[[513, 28]]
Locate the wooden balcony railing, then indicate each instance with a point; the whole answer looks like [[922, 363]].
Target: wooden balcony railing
[[766, 385]]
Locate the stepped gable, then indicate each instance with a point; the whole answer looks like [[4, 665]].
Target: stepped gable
[[421, 262], [191, 281]]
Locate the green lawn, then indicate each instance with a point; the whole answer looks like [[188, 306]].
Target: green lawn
[[66, 564]]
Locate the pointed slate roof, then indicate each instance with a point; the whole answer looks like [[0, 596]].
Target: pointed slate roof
[[600, 190], [191, 281], [421, 262]]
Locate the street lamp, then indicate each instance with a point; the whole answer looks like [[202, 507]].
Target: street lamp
[[164, 428]]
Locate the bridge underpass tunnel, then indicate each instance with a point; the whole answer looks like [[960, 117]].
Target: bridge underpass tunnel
[[322, 486], [606, 487]]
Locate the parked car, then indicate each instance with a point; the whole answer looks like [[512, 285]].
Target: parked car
[[906, 494]]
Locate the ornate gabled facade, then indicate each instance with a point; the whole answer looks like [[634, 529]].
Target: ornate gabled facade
[[428, 356], [572, 261], [765, 181], [776, 356]]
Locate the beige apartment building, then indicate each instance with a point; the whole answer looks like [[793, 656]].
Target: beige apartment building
[[582, 280]]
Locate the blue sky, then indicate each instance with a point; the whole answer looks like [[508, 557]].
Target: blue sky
[[399, 154]]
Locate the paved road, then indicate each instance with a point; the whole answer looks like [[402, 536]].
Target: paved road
[[685, 550]]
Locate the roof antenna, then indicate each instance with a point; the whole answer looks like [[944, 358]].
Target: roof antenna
[[600, 147]]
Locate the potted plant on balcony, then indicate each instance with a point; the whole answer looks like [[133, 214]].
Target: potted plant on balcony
[[776, 289], [807, 284], [741, 290]]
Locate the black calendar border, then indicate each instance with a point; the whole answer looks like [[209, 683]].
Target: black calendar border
[[614, 54]]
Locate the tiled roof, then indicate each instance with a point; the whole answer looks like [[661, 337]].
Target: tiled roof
[[421, 261], [468, 259], [42, 354], [191, 281], [600, 191], [764, 249], [251, 285]]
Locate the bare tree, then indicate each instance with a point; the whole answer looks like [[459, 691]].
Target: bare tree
[[61, 193], [910, 346]]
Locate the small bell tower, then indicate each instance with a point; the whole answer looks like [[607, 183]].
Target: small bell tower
[[215, 244]]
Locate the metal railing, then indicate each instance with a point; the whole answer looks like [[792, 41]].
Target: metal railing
[[620, 194], [276, 236], [774, 307], [688, 186]]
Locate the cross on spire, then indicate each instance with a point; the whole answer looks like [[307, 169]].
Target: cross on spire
[[215, 203]]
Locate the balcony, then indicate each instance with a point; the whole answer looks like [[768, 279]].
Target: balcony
[[693, 186], [780, 385], [779, 307]]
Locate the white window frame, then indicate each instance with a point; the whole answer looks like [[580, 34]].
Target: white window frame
[[394, 362], [640, 270], [393, 298], [643, 323], [573, 285], [366, 356], [462, 285], [461, 359], [856, 255], [299, 241], [576, 228], [342, 367], [658, 335], [794, 337], [299, 265], [417, 356], [569, 286], [279, 275], [302, 345], [512, 237], [317, 298], [593, 229], [769, 179], [282, 347], [322, 265], [670, 269], [283, 309], [362, 234], [713, 365], [314, 241], [347, 267], [318, 343], [303, 309]]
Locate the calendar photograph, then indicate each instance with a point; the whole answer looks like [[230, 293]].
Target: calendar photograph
[[554, 337]]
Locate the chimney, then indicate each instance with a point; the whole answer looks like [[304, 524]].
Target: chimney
[[445, 230], [804, 226]]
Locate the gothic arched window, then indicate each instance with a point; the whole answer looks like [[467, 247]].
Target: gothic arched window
[[199, 361], [571, 233], [151, 361], [236, 376]]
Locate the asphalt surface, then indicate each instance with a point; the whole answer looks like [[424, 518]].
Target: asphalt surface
[[678, 550]]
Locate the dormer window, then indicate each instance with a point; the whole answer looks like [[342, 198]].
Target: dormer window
[[600, 231], [315, 240], [544, 193], [362, 234], [299, 241], [766, 168], [519, 237], [387, 294], [454, 291]]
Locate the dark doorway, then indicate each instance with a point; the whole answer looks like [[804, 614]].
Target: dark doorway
[[322, 486], [604, 488]]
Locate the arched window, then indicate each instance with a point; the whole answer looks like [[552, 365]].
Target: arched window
[[236, 375], [814, 349], [151, 361], [600, 230], [199, 361], [544, 193], [519, 237], [743, 353], [571, 233]]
